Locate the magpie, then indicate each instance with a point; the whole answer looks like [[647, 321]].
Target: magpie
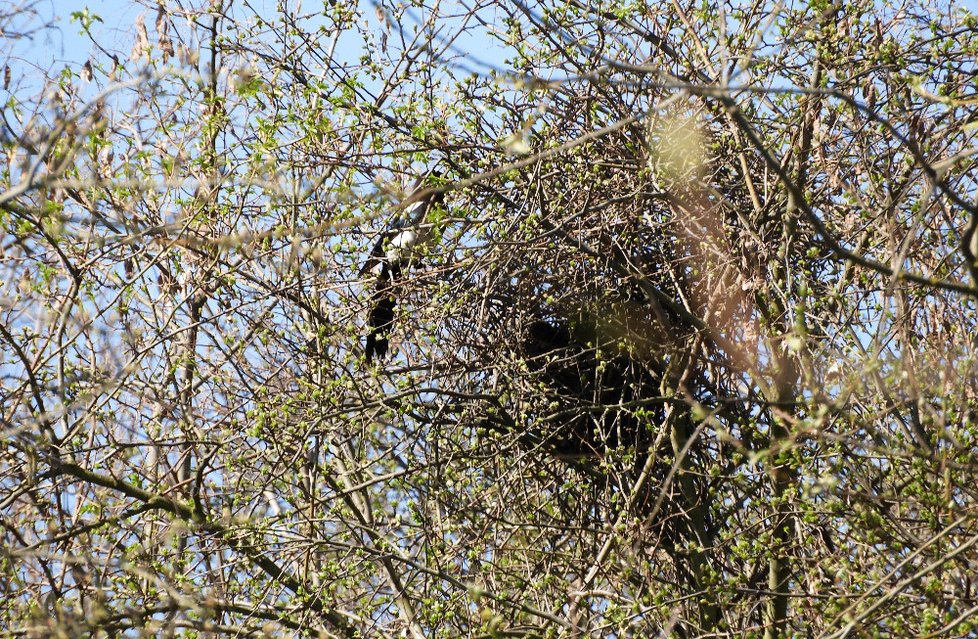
[[399, 247]]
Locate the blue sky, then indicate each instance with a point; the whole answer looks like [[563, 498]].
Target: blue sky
[[64, 45]]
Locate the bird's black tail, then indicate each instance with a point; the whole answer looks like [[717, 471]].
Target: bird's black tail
[[380, 320]]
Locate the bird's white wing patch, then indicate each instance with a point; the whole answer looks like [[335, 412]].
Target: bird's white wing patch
[[412, 208], [405, 239], [401, 245]]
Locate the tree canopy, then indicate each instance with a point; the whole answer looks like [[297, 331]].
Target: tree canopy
[[691, 352]]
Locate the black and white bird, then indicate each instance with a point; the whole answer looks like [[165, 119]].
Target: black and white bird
[[400, 246]]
